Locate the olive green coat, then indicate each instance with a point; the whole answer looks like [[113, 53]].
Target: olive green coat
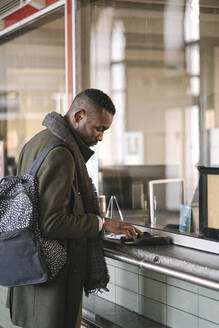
[[56, 304]]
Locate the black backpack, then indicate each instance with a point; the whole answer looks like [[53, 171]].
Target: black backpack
[[26, 257]]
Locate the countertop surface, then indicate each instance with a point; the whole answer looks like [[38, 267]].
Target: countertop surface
[[198, 263]]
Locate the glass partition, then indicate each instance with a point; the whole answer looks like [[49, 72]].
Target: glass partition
[[159, 61], [32, 81]]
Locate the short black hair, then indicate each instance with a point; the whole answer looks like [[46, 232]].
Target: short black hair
[[100, 98]]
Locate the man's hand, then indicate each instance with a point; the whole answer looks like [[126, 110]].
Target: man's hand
[[118, 227]]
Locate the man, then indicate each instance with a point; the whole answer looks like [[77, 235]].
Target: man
[[70, 217]]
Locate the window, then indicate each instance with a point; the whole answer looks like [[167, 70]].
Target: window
[[32, 81], [159, 61]]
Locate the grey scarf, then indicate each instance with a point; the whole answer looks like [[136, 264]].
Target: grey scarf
[[97, 276]]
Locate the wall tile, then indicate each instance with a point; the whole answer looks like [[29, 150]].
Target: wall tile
[[152, 309], [111, 261], [146, 292], [182, 284], [206, 324], [122, 265], [152, 289], [3, 294], [128, 267], [209, 309], [126, 279], [127, 299], [180, 319], [152, 274], [110, 295], [103, 308], [111, 270], [209, 293], [89, 302], [182, 299], [5, 320]]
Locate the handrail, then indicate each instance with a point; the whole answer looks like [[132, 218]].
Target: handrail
[[162, 269]]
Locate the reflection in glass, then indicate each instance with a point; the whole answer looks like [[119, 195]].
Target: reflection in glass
[[32, 81], [166, 198], [159, 61]]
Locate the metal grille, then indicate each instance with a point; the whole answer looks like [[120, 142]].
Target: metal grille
[[7, 7]]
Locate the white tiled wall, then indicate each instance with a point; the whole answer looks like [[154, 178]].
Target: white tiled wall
[[170, 301], [209, 309], [5, 321], [180, 319]]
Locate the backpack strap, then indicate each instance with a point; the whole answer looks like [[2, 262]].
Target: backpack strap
[[38, 161]]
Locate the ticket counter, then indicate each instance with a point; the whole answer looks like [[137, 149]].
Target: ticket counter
[[159, 61]]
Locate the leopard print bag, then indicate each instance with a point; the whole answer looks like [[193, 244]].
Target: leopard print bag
[[25, 256]]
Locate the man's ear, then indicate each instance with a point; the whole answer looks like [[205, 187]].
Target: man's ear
[[80, 115]]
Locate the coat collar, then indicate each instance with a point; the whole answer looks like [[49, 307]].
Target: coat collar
[[58, 126]]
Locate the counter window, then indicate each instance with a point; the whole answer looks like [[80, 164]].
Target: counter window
[[159, 61]]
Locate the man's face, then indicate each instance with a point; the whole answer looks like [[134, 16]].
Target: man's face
[[92, 126]]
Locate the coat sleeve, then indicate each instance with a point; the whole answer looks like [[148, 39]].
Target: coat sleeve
[[55, 187]]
